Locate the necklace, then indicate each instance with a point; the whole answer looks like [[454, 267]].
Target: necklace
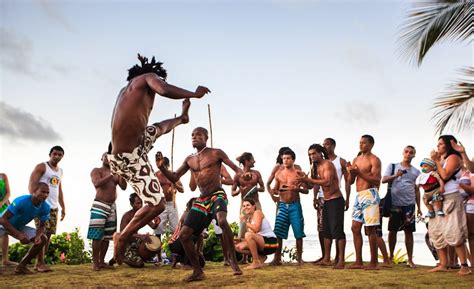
[[199, 162], [200, 151]]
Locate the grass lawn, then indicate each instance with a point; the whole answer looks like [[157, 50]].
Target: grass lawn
[[81, 276]]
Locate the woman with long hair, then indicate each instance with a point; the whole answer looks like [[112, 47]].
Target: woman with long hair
[[260, 240], [451, 229]]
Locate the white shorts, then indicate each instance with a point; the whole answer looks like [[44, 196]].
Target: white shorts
[[470, 206]]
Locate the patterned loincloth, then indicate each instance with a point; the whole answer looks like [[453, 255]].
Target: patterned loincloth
[[136, 169]]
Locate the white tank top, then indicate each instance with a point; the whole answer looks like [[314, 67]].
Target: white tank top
[[266, 229], [53, 179], [452, 186], [337, 163]]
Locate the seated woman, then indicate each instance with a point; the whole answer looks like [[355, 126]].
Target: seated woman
[[260, 240]]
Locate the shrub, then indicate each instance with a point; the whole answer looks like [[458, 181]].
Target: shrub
[[65, 248], [165, 248], [212, 245]]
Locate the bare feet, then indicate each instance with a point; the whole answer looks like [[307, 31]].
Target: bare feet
[[411, 264], [119, 248], [340, 265], [22, 270], [325, 263], [464, 271], [386, 264], [439, 268], [372, 266], [195, 277], [95, 267], [8, 263], [317, 262], [104, 265], [184, 114], [356, 266], [275, 262], [42, 268], [235, 268], [254, 266]]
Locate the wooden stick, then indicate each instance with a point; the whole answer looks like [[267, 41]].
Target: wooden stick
[[210, 122], [172, 146]]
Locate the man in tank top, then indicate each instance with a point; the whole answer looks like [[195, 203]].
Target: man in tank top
[[50, 173], [330, 145]]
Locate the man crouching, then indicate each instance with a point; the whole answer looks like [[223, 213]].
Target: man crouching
[[19, 213]]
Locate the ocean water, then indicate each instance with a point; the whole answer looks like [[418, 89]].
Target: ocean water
[[312, 251]]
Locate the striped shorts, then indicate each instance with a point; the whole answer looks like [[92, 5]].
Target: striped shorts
[[289, 214], [103, 222]]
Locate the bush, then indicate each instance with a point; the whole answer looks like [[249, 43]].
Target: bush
[[65, 248], [212, 245], [165, 247]]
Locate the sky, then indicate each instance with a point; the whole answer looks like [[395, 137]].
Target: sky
[[282, 73]]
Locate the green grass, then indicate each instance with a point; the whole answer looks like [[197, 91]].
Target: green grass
[[81, 276]]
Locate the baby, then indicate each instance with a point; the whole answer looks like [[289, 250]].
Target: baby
[[433, 186]]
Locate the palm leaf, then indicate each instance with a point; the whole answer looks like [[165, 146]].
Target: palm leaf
[[433, 21], [455, 109]]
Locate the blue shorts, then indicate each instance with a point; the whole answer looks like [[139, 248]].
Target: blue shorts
[[289, 214], [28, 231]]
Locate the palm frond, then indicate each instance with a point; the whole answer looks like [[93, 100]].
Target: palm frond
[[432, 21], [455, 109]]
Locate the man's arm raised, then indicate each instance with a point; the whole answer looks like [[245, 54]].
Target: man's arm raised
[[375, 174], [172, 176], [225, 159], [170, 91]]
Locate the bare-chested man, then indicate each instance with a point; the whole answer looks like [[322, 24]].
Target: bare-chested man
[[278, 166], [132, 139], [132, 255], [289, 207], [333, 210], [205, 166], [366, 172], [247, 184], [103, 221], [169, 217]]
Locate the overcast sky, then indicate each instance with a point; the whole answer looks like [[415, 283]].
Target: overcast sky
[[282, 73]]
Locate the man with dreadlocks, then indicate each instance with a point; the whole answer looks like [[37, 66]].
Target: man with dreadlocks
[[132, 139], [333, 211]]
